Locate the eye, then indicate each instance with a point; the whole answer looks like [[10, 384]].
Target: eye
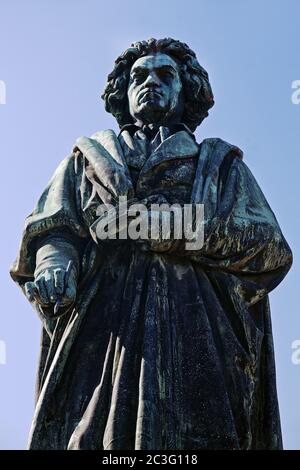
[[138, 77], [166, 74]]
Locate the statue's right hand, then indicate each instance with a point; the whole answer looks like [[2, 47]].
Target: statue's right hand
[[52, 285]]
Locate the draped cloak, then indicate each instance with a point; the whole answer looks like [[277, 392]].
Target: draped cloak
[[160, 350]]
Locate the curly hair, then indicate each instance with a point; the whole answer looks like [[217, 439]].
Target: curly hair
[[198, 95]]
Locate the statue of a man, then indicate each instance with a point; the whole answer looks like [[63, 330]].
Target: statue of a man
[[146, 344]]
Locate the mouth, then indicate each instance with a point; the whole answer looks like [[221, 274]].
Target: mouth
[[149, 95]]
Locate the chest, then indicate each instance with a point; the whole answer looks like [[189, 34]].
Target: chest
[[173, 178], [168, 169]]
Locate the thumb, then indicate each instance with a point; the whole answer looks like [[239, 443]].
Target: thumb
[[30, 291]]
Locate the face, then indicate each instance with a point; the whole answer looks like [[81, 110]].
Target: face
[[155, 90]]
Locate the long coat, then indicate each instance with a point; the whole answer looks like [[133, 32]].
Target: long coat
[[160, 350]]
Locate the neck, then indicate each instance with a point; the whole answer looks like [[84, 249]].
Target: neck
[[157, 124]]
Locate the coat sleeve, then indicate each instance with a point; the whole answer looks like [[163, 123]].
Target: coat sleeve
[[57, 213], [242, 235]]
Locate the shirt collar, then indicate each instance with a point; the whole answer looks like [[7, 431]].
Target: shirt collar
[[133, 128]]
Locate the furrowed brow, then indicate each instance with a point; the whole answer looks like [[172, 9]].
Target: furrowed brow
[[139, 69], [169, 68]]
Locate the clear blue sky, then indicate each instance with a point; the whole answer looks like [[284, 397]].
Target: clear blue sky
[[54, 58]]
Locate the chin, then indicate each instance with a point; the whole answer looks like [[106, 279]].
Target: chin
[[151, 112]]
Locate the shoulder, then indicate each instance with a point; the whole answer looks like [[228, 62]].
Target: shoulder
[[104, 135], [217, 156], [83, 145], [217, 146], [101, 142], [83, 142]]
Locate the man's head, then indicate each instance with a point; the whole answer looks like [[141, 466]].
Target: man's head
[[158, 81], [155, 90]]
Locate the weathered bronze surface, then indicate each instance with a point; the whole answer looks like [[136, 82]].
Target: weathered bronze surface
[[152, 346]]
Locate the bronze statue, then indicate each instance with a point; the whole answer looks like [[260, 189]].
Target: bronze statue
[[146, 344]]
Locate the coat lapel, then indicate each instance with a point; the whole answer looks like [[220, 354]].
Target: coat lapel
[[134, 150], [213, 152], [107, 169], [177, 146], [104, 148]]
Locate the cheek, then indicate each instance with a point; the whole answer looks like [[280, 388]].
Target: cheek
[[173, 90], [131, 99], [174, 95], [130, 89], [178, 87], [131, 93]]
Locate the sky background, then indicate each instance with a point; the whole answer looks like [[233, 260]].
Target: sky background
[[54, 59]]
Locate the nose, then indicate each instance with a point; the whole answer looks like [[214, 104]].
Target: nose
[[152, 80]]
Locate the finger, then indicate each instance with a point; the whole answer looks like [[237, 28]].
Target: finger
[[69, 294], [30, 291], [50, 288], [42, 291], [59, 280]]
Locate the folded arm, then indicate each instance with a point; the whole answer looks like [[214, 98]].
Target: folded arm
[[241, 235]]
